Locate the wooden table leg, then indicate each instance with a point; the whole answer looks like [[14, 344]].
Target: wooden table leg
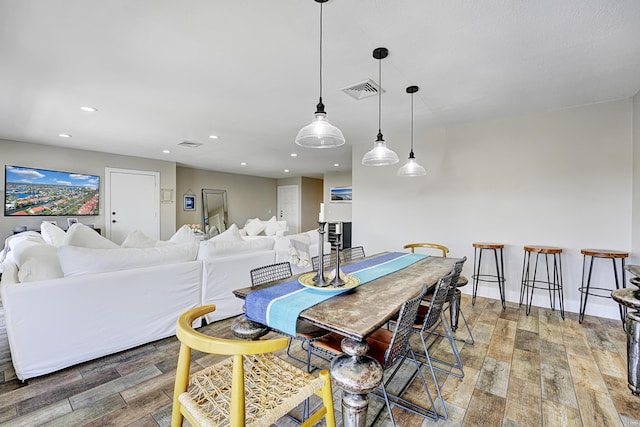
[[357, 374]]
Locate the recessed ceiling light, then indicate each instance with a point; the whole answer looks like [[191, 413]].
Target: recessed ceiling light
[[166, 151], [213, 136], [64, 135], [294, 155], [286, 170], [243, 164], [89, 109], [336, 164]]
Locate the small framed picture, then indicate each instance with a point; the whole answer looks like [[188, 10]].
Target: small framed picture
[[189, 202], [71, 221], [341, 194]]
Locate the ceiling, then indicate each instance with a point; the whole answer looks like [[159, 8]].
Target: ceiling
[[165, 71]]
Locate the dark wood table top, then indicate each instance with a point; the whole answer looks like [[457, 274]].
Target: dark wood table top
[[360, 312]]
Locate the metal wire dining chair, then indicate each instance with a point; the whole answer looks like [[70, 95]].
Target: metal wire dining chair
[[328, 260], [428, 319], [391, 349], [355, 252], [433, 318], [305, 331], [454, 307], [269, 273]]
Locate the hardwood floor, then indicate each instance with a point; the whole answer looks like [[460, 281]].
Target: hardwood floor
[[536, 370]]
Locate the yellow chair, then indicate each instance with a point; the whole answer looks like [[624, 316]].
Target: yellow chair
[[251, 388], [437, 246]]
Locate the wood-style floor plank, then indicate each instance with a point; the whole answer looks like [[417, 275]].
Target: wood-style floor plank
[[535, 370], [524, 401]]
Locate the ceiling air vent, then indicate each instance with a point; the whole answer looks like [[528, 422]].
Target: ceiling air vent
[[190, 144], [363, 89]]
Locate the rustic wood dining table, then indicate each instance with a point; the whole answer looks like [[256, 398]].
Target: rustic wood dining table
[[357, 314]]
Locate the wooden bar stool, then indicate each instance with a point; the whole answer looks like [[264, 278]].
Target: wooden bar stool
[[498, 277], [553, 283], [586, 289]]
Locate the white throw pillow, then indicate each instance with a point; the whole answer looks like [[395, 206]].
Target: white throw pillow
[[76, 261], [36, 261], [86, 237], [271, 226], [254, 226], [232, 234], [275, 228], [52, 234], [137, 239], [184, 235]]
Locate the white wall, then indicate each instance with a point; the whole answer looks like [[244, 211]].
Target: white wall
[[562, 178], [91, 162], [247, 196]]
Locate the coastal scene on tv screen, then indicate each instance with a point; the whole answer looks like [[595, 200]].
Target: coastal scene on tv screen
[[41, 192]]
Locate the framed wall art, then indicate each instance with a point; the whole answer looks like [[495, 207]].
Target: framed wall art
[[189, 202], [341, 194]]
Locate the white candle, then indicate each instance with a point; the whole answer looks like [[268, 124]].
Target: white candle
[[321, 215], [338, 228]]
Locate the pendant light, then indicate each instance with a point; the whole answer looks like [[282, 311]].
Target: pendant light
[[412, 168], [380, 155], [320, 133]]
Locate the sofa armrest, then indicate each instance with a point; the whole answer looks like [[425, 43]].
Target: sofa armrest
[[9, 273]]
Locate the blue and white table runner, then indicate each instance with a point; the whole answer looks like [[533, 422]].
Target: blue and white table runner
[[279, 306]]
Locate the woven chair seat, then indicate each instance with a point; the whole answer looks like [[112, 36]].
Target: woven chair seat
[[273, 387]]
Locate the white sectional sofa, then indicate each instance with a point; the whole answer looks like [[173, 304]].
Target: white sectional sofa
[[78, 297]]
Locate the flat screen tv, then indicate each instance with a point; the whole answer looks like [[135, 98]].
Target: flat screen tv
[[41, 192]]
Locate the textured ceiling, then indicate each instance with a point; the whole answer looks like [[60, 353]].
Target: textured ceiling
[[164, 71]]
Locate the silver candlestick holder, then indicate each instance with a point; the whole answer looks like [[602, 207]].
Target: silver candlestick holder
[[319, 279], [337, 281]]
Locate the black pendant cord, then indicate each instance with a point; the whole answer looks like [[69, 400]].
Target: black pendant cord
[[379, 99], [320, 106], [411, 90], [411, 152]]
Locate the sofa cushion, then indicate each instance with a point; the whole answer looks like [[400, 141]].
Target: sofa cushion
[[137, 239], [231, 234], [52, 234], [212, 247], [86, 237], [36, 261], [76, 261], [254, 226]]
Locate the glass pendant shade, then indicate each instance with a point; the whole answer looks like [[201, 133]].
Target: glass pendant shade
[[380, 155], [412, 168], [320, 134]]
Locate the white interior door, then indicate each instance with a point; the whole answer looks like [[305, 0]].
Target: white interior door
[[132, 202], [289, 207]]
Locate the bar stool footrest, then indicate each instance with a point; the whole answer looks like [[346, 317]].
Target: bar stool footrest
[[583, 289]]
